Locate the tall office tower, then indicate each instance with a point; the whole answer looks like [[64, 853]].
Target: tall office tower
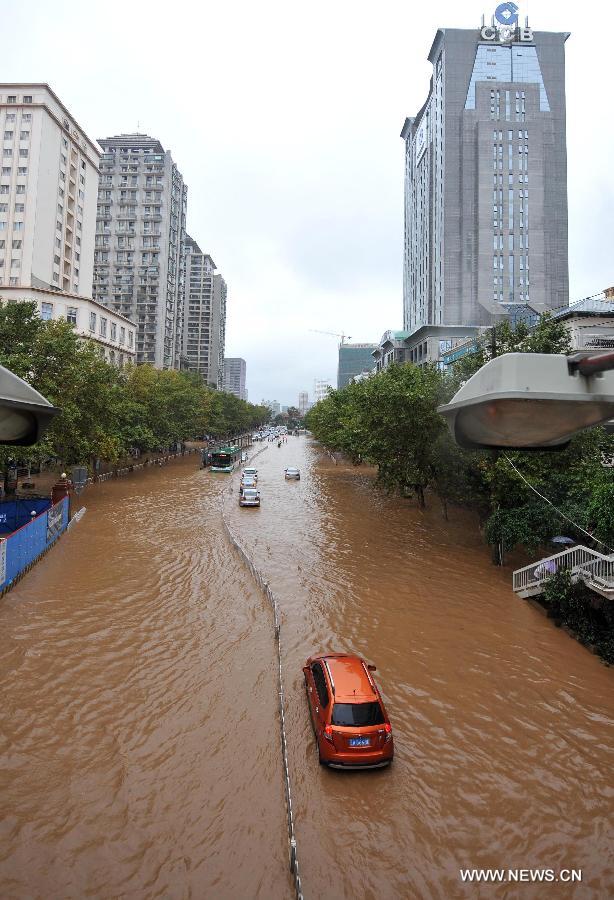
[[140, 243], [48, 186], [234, 376], [354, 359], [204, 316], [486, 178]]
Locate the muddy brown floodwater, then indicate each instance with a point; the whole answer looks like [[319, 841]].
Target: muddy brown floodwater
[[140, 744]]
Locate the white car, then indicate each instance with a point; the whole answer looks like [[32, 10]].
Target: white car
[[292, 472], [249, 497], [249, 472]]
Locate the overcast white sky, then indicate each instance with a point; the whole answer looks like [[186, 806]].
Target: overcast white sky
[[284, 119]]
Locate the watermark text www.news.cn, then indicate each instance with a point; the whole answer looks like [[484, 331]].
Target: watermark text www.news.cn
[[509, 876]]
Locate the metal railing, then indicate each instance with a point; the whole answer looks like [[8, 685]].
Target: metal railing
[[574, 559], [600, 572]]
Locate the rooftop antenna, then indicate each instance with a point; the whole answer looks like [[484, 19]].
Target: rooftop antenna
[[526, 21], [482, 20]]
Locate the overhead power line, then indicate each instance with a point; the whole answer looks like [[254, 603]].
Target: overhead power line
[[555, 508]]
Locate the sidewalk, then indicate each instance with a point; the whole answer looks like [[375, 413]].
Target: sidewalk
[[44, 481]]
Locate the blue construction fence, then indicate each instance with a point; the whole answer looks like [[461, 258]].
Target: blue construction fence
[[15, 513], [19, 550]]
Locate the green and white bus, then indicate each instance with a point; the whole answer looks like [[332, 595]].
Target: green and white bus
[[225, 459]]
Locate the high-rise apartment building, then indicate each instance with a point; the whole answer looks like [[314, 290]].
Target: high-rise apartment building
[[354, 359], [235, 370], [140, 243], [486, 179], [303, 402], [204, 316], [48, 187], [321, 388], [218, 326]]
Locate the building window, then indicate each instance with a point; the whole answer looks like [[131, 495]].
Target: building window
[[11, 98], [113, 331], [71, 315], [46, 311], [92, 321], [130, 339], [8, 135], [23, 152], [16, 245], [24, 135], [122, 335], [27, 98]]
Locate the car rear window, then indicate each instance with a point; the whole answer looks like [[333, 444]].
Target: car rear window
[[357, 714]]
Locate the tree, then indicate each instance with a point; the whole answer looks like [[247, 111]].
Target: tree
[[547, 336], [106, 411]]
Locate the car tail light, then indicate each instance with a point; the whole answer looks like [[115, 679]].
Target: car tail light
[[328, 733], [388, 730]]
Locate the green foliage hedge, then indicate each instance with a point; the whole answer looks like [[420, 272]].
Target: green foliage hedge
[[106, 411]]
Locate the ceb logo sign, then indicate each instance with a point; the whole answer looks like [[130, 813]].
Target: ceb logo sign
[[506, 14]]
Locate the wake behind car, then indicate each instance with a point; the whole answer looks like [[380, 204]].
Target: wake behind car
[[292, 472], [351, 725], [249, 497]]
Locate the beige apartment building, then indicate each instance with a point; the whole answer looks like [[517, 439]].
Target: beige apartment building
[[113, 334], [204, 316], [48, 191], [139, 262]]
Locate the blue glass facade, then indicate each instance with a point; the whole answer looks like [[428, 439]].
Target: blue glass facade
[[354, 359], [513, 64]]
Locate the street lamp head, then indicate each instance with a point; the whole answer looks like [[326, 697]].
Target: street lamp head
[[528, 401], [24, 413]]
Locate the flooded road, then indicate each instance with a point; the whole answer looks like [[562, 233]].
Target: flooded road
[[140, 744]]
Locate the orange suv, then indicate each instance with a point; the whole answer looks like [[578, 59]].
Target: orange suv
[[348, 714]]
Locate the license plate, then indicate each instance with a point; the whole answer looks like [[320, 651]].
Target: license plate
[[359, 742]]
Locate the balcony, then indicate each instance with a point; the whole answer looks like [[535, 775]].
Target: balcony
[[594, 341]]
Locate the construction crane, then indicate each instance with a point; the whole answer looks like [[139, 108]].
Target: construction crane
[[343, 337]]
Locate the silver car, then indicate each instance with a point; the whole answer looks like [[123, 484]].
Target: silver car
[[249, 497], [292, 472]]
